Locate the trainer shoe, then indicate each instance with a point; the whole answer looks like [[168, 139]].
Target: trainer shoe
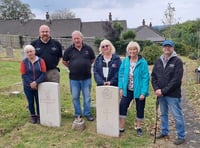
[[121, 130], [139, 132]]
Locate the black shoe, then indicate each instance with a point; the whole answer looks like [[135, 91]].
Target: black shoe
[[77, 117], [33, 119], [160, 136], [122, 130], [179, 141], [38, 119], [89, 118], [139, 132]]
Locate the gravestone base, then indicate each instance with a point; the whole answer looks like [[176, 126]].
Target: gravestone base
[[78, 124]]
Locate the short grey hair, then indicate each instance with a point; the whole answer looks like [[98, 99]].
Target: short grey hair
[[77, 32], [28, 47]]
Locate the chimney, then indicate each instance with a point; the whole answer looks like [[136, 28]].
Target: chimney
[[110, 17], [143, 22], [47, 16], [150, 24]]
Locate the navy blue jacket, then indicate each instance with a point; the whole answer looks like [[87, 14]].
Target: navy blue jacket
[[32, 72], [113, 65]]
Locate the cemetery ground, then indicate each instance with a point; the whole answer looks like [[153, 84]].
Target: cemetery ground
[[17, 131]]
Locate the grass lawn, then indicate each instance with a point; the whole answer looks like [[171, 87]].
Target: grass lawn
[[17, 131]]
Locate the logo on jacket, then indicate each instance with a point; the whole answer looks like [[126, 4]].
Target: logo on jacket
[[114, 65], [53, 48], [171, 65]]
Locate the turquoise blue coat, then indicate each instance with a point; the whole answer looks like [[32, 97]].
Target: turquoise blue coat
[[141, 77]]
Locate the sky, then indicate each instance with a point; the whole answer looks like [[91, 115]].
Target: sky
[[133, 11]]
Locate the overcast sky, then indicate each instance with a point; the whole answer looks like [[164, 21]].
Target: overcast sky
[[134, 11]]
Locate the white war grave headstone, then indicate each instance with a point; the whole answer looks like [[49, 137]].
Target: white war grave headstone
[[107, 110], [49, 101]]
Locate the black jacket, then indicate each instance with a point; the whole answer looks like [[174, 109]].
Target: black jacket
[[168, 79]]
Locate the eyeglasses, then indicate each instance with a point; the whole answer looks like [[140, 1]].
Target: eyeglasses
[[104, 46]]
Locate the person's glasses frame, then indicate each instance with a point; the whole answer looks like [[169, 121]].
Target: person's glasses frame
[[105, 46]]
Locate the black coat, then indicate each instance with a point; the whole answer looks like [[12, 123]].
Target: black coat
[[168, 79]]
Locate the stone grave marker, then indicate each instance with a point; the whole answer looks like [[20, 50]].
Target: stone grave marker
[[9, 52], [49, 100], [22, 54], [107, 110], [1, 48]]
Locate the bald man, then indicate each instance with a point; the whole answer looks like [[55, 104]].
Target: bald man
[[51, 51]]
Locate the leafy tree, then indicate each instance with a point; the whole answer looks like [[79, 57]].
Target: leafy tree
[[151, 53], [113, 30], [15, 9], [128, 35], [63, 14]]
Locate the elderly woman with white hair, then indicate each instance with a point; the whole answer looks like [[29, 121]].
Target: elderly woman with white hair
[[106, 65], [33, 71], [133, 84]]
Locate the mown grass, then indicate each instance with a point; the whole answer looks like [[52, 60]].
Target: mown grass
[[17, 131]]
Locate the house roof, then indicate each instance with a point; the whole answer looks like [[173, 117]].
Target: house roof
[[59, 28], [145, 32], [95, 29], [64, 28]]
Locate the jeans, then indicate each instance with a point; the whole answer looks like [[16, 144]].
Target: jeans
[[32, 98], [174, 104], [76, 86]]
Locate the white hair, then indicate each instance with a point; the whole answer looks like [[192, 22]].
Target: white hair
[[28, 47]]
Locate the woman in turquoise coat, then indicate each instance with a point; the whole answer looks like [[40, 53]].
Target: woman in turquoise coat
[[133, 83]]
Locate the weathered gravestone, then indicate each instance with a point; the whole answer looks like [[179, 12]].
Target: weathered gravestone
[[49, 100], [107, 110], [22, 54], [1, 48], [9, 52]]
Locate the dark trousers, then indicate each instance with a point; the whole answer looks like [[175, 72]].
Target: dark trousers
[[125, 102], [32, 98]]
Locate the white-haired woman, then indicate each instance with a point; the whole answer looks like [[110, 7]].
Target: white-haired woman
[[33, 71], [133, 84], [106, 65]]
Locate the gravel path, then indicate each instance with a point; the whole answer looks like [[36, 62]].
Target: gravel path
[[192, 121]]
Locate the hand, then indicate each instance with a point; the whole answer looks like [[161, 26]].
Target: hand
[[142, 97], [158, 92], [120, 93], [33, 85], [107, 83]]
